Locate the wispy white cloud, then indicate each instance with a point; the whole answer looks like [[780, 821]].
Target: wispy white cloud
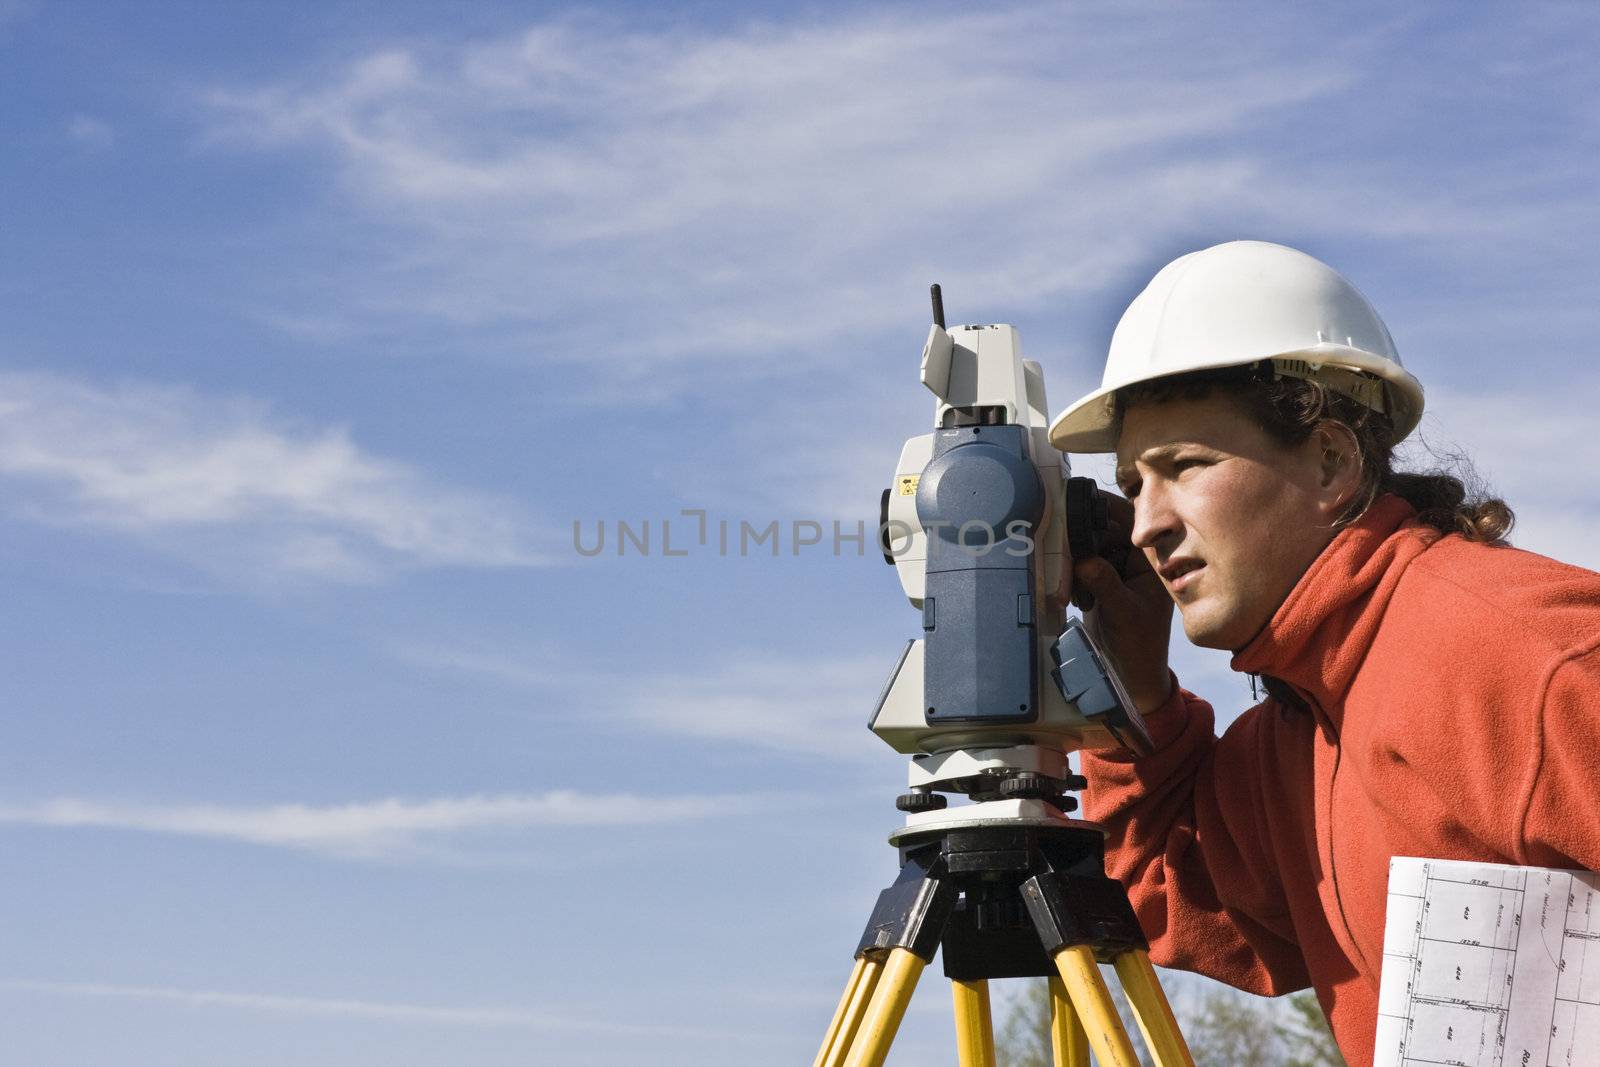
[[769, 197], [1526, 442], [1538, 450], [684, 194], [224, 482], [544, 667], [363, 1010], [387, 828], [90, 132], [804, 705]]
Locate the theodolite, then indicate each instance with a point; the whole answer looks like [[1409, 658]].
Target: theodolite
[[982, 523]]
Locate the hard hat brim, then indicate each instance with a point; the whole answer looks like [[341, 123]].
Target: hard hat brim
[[1089, 424]]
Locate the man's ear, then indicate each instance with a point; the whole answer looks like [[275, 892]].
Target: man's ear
[[1338, 463]]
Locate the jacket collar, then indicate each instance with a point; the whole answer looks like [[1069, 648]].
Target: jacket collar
[[1320, 635]]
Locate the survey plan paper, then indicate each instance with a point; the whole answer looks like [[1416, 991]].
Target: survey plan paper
[[1489, 965]]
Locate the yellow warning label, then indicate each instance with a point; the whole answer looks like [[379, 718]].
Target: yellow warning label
[[908, 484]]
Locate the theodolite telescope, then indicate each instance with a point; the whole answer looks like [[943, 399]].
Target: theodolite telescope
[[981, 523]]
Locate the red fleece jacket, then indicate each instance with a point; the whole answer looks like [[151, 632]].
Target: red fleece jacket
[[1454, 695]]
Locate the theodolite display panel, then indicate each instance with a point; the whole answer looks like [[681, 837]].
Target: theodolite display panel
[[980, 499]]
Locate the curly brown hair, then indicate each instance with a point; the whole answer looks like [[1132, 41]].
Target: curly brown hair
[[1289, 409]]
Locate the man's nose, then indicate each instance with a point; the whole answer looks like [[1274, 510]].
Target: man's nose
[[1155, 523]]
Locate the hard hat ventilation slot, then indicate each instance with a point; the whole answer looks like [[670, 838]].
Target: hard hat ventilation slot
[[1365, 389]]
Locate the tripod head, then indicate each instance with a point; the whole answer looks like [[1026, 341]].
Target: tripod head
[[981, 523]]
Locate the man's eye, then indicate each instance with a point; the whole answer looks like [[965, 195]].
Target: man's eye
[[1131, 490], [1181, 465]]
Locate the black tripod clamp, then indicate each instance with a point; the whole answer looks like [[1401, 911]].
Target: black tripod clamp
[[1002, 898]]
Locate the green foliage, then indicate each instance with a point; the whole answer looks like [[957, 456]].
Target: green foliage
[[1222, 1025], [1228, 1027], [1023, 1039], [1306, 1036]]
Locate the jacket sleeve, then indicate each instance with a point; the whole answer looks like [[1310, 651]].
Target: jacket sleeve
[[1560, 820], [1187, 834]]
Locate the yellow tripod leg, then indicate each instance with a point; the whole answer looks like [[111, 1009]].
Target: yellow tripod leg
[[1150, 1008], [1092, 1000], [886, 1008], [974, 1024], [847, 1016], [1069, 1041]]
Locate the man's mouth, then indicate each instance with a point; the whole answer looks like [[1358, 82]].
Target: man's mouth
[[1179, 573]]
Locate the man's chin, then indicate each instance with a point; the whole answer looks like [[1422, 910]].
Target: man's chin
[[1204, 629]]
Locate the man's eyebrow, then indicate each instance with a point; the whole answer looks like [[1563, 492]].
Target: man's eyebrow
[[1125, 471]]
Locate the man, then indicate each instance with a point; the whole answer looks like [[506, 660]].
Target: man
[[1431, 691]]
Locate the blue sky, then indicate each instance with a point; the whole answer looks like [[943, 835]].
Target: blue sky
[[319, 329]]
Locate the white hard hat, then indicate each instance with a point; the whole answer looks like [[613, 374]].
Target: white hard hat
[[1239, 303]]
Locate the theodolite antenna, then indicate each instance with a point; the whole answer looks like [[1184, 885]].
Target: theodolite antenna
[[938, 305]]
